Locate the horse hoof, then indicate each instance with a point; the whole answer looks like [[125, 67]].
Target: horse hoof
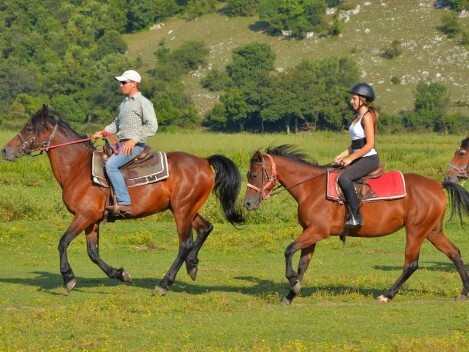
[[70, 285], [126, 278], [285, 302], [383, 299], [462, 298], [193, 273], [160, 291]]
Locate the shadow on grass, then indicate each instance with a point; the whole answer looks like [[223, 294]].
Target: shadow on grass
[[52, 283], [430, 266]]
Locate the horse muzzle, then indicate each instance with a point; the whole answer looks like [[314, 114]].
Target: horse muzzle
[[10, 154], [252, 203]]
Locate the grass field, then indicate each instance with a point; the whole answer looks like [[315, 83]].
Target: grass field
[[428, 55], [234, 303]]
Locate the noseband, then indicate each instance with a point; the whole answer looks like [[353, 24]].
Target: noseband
[[462, 171], [266, 189], [32, 145]]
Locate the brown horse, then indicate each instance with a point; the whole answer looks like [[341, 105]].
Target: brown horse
[[421, 212], [457, 168], [190, 183]]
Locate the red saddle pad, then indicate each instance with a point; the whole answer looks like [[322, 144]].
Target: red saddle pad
[[390, 185]]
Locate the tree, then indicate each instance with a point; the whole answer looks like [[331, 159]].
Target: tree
[[450, 25], [242, 7], [430, 106], [298, 16]]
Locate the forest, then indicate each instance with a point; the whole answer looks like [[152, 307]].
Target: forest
[[65, 54]]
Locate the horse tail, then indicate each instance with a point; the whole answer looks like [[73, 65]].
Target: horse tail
[[227, 187], [459, 199]]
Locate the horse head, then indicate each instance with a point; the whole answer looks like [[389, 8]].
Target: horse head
[[457, 168], [261, 181], [35, 136]]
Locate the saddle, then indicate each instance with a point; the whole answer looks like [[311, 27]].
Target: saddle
[[147, 167], [377, 185]]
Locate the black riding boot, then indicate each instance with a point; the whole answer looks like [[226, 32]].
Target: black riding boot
[[354, 218]]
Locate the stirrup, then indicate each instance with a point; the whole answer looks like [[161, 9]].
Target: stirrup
[[354, 221]]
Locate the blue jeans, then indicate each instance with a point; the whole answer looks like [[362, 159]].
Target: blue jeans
[[112, 169]]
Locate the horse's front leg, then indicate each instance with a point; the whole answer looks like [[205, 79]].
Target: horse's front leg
[[203, 228], [73, 231], [307, 243], [186, 244], [92, 243]]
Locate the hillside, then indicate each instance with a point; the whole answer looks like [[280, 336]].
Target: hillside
[[427, 53]]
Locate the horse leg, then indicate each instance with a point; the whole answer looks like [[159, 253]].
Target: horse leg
[[306, 242], [92, 243], [305, 259], [411, 264], [186, 244], [65, 269], [203, 228], [443, 244]]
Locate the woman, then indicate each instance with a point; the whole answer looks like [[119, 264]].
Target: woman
[[360, 158]]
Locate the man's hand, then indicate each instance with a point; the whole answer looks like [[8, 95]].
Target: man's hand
[[128, 147], [97, 135]]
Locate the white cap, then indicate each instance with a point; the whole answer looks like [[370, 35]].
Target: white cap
[[129, 75]]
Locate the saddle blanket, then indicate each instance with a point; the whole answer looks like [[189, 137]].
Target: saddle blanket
[[135, 174], [390, 185]]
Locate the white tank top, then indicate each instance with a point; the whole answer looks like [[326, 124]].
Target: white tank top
[[357, 132]]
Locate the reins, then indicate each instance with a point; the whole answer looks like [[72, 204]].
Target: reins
[[264, 193], [27, 148]]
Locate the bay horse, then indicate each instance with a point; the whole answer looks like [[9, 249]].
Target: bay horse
[[189, 185], [459, 165], [421, 212]]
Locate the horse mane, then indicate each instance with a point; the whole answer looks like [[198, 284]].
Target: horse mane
[[465, 143], [292, 152], [63, 126]]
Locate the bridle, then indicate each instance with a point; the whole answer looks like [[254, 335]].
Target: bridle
[[462, 171], [40, 147], [266, 188], [32, 145]]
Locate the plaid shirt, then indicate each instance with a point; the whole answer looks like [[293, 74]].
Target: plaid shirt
[[136, 119]]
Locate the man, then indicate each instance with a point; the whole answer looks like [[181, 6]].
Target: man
[[134, 125]]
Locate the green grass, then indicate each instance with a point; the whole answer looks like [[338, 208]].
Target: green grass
[[428, 54], [234, 303]]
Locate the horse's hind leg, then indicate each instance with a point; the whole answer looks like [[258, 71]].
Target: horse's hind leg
[[92, 243], [442, 243], [411, 264], [203, 228], [186, 244]]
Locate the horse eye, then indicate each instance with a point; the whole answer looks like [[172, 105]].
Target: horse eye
[[462, 153]]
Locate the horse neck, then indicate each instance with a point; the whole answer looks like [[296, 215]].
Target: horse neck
[[67, 161], [294, 175]]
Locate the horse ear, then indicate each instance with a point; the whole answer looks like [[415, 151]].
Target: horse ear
[[257, 156], [44, 112]]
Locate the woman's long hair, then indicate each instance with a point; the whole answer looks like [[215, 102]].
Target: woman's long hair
[[373, 111]]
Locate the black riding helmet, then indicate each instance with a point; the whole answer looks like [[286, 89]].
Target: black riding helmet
[[363, 90]]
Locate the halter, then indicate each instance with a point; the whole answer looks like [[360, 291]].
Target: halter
[[266, 189], [28, 148], [462, 171]]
